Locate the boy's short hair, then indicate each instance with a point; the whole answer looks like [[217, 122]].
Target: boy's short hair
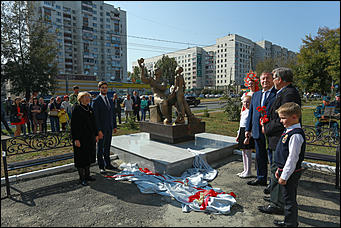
[[75, 87], [102, 83], [289, 109]]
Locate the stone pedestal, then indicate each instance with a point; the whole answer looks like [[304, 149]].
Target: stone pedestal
[[172, 133], [172, 159]]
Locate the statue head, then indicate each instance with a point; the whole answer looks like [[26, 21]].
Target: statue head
[[157, 73], [179, 70]]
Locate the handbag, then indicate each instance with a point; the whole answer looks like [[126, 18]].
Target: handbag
[[14, 119], [53, 113]]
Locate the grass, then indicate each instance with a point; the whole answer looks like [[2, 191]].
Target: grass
[[216, 123]]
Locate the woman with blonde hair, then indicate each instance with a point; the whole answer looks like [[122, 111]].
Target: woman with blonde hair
[[84, 135]]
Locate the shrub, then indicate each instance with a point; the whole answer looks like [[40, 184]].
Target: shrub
[[232, 108], [130, 123]]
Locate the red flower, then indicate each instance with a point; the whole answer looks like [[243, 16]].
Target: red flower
[[264, 117]]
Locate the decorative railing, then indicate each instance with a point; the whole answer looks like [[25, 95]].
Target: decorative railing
[[36, 142], [327, 136]]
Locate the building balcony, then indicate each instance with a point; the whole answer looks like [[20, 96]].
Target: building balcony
[[67, 44]]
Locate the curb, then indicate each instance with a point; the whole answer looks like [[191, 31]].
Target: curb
[[315, 166]]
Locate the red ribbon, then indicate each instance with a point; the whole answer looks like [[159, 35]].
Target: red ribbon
[[207, 195], [148, 172]]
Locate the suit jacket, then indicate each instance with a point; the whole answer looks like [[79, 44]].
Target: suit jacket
[[274, 128], [252, 121], [137, 101], [104, 117]]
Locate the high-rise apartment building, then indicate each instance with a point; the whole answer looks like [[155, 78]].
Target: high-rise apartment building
[[91, 38], [224, 63]]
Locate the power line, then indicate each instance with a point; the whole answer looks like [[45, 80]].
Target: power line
[[122, 35]]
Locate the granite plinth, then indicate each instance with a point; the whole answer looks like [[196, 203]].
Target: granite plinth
[[172, 159], [172, 133]]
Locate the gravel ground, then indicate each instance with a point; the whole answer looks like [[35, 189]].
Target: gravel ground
[[59, 200]]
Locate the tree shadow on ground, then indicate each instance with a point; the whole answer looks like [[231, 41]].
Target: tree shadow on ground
[[317, 223], [28, 197], [319, 190]]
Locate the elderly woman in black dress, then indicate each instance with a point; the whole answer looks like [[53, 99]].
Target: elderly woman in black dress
[[84, 135]]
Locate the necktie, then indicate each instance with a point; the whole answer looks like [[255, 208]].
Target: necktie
[[107, 102], [264, 97]]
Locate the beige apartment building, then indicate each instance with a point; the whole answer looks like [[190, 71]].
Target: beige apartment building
[[91, 38], [224, 63]]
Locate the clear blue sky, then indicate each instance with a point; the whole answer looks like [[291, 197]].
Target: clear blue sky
[[202, 22]]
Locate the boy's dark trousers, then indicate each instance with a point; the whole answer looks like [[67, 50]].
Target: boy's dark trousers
[[276, 195], [289, 195]]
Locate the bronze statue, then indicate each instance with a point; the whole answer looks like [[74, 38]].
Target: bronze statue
[[165, 101]]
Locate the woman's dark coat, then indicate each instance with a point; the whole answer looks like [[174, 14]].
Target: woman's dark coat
[[84, 129]]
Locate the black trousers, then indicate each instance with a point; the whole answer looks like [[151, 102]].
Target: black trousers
[[289, 192], [276, 195], [137, 113]]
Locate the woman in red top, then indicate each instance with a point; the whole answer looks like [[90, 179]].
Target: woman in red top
[[17, 110]]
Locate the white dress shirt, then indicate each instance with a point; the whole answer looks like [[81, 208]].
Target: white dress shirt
[[105, 101], [295, 144], [265, 94]]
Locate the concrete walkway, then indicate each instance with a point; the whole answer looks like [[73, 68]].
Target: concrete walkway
[[58, 200]]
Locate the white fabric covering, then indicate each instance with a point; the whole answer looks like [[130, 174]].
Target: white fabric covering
[[192, 181]]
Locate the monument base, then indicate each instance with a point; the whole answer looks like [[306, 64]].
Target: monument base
[[172, 133], [172, 159]]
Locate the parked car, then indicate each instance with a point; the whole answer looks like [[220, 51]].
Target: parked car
[[192, 100]]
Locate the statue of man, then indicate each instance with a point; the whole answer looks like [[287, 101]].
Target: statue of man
[[181, 103], [159, 89]]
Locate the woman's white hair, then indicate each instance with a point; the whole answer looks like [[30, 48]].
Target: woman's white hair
[[82, 94]]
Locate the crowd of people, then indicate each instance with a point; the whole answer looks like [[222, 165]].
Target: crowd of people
[[33, 116]]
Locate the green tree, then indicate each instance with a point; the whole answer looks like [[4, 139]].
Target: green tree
[[168, 66], [28, 50], [319, 61], [268, 64], [136, 74]]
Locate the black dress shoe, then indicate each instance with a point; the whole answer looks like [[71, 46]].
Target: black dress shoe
[[270, 210], [90, 179], [267, 190], [279, 223], [102, 171], [84, 183], [267, 199], [257, 182]]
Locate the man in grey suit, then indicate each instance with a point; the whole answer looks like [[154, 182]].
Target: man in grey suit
[[283, 78], [106, 123]]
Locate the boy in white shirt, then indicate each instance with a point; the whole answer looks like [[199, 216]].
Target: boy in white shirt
[[288, 157]]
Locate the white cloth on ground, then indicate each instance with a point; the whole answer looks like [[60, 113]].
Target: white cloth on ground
[[191, 189]]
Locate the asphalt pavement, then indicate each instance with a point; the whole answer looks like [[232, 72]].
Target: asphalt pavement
[[59, 200]]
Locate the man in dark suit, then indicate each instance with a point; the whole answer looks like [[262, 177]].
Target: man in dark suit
[[261, 98], [136, 105], [282, 78], [104, 116], [117, 107]]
